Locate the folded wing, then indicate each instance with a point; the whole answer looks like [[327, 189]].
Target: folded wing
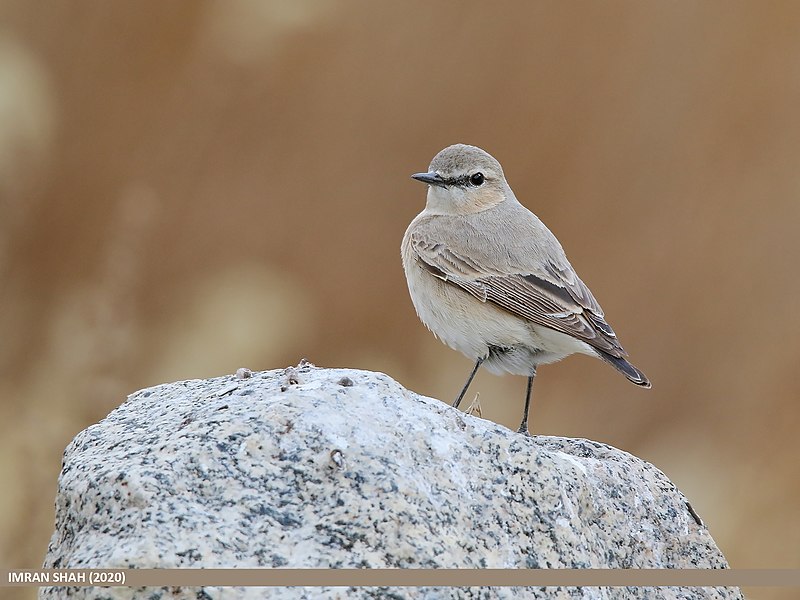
[[553, 297]]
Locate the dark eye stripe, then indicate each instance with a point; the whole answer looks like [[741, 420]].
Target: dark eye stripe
[[466, 180]]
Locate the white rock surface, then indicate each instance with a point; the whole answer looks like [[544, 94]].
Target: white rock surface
[[311, 467]]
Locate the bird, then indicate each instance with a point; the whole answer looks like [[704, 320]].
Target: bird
[[491, 281]]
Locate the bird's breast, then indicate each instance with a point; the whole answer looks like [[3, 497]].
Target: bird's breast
[[458, 319]]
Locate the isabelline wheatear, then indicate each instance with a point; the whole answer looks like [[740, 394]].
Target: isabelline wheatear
[[491, 281]]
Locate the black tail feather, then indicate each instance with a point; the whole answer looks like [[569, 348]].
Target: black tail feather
[[633, 374]]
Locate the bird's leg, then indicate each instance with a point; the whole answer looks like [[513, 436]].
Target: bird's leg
[[523, 427], [466, 385]]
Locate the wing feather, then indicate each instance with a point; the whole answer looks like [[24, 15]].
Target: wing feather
[[555, 297]]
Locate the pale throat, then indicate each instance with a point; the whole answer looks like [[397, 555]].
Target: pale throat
[[448, 202]]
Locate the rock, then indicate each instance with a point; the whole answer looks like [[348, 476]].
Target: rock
[[311, 467]]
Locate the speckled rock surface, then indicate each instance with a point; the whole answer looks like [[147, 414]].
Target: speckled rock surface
[[311, 467]]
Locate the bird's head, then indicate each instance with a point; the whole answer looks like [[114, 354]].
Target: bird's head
[[462, 180]]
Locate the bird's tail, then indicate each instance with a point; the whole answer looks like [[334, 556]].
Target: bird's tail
[[623, 366]]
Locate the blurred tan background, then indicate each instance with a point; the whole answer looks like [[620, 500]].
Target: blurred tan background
[[191, 187]]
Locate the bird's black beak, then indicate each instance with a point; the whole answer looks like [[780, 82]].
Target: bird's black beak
[[430, 179]]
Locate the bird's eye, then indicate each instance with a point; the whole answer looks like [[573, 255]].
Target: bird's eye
[[476, 179]]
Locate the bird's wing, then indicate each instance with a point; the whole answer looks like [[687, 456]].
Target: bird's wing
[[552, 297]]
